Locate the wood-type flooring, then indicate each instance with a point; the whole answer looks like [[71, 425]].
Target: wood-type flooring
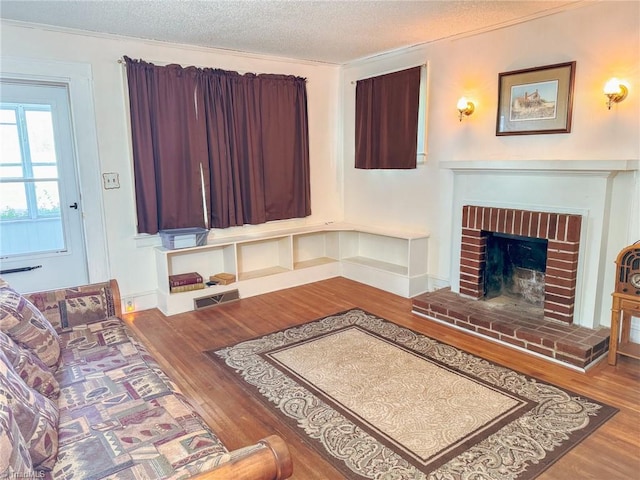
[[178, 343]]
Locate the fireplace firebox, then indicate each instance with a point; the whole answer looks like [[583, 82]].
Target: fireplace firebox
[[515, 268]]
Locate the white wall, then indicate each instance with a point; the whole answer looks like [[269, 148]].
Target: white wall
[[604, 41], [131, 260]]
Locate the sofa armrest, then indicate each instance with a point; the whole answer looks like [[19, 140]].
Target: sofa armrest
[[269, 459]]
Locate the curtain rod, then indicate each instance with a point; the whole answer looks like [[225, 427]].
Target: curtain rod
[[424, 64], [122, 61]]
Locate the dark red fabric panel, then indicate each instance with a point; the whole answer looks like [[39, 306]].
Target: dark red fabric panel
[[387, 120], [232, 115], [168, 146], [285, 143], [248, 133]]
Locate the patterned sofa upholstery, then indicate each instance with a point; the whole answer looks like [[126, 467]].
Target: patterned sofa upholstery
[[115, 413]]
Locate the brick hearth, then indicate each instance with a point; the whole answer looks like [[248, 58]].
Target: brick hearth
[[517, 326]]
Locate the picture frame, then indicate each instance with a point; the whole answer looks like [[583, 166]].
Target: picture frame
[[536, 100]]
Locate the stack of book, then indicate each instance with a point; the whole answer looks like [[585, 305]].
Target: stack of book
[[185, 282]]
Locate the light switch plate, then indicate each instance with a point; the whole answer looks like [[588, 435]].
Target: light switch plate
[[111, 180]]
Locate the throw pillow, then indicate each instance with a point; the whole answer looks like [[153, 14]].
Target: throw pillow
[[15, 461], [26, 325], [30, 368], [36, 416], [67, 308]]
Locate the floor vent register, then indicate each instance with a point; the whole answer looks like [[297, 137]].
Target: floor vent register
[[216, 299]]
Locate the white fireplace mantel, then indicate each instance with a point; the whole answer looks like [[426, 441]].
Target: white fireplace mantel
[[572, 166]]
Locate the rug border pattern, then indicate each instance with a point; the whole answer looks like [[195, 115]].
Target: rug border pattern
[[442, 456], [521, 449]]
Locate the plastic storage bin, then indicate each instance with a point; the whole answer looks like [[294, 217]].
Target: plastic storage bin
[[183, 237]]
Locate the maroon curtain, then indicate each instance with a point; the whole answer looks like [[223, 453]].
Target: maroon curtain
[[387, 120], [248, 134], [285, 146], [168, 145], [259, 155]]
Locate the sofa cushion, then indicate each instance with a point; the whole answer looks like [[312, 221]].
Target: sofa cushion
[[15, 461], [117, 403], [29, 367], [26, 325], [77, 306], [35, 415]]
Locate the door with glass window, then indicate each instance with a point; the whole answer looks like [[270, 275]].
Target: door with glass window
[[41, 230]]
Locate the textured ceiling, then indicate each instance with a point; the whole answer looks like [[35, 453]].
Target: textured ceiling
[[331, 31]]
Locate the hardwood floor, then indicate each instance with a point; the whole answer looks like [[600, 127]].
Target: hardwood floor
[[612, 452]]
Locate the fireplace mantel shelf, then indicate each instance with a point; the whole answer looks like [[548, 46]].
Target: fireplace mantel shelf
[[575, 166]]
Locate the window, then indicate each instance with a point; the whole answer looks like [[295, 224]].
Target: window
[[240, 142], [391, 119], [29, 194]]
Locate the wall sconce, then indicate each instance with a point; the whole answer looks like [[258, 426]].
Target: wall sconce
[[615, 92], [465, 107]]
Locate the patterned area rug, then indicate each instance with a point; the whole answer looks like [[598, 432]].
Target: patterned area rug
[[383, 402]]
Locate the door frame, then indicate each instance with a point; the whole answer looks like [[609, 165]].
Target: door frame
[[78, 78]]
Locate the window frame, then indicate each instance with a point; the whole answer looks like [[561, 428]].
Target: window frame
[[422, 143]]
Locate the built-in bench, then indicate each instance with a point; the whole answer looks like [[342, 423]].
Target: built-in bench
[[392, 260]]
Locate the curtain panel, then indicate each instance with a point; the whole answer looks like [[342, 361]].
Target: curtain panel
[[387, 120], [259, 148], [249, 137], [168, 147]]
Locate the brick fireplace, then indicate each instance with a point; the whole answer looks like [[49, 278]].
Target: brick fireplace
[[547, 329], [562, 232], [580, 205]]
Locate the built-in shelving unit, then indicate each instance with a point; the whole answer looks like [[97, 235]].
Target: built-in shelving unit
[[395, 261]]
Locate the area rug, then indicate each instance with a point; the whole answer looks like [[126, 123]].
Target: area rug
[[383, 402]]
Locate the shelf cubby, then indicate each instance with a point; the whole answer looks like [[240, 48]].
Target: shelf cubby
[[315, 248], [264, 257], [207, 260], [377, 251]]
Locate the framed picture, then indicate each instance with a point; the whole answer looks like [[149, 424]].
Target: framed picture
[[536, 100]]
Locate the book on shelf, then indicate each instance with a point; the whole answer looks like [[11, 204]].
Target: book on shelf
[[187, 288], [184, 279], [223, 278]]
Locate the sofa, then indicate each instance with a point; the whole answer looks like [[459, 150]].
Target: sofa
[[81, 398]]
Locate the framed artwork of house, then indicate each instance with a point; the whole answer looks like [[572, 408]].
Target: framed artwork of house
[[536, 100]]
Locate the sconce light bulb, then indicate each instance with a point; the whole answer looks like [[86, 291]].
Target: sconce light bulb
[[462, 103], [615, 92], [612, 87]]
